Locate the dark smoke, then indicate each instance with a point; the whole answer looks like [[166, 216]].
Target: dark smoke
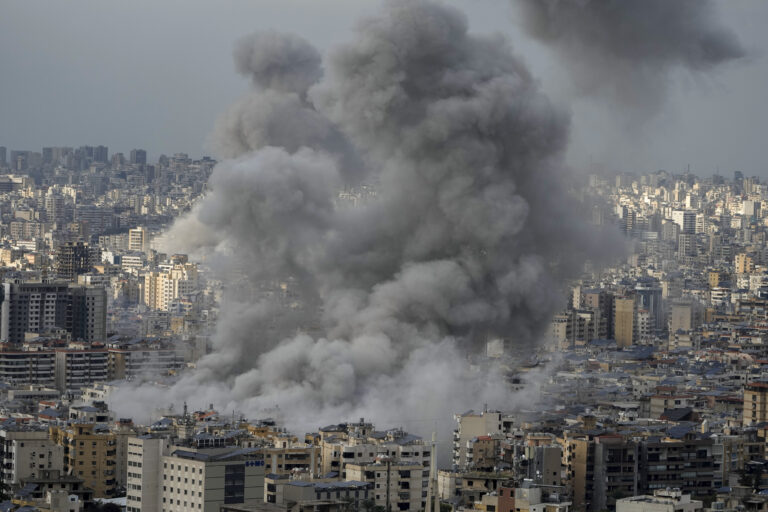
[[466, 240], [627, 49]]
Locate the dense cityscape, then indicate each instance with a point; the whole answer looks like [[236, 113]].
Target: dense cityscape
[[654, 374], [503, 256]]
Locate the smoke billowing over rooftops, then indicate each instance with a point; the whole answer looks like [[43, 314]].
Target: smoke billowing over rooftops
[[467, 238]]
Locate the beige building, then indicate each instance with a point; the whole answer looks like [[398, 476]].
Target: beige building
[[472, 425], [532, 499], [398, 445], [396, 486], [206, 479], [663, 500], [163, 477], [755, 409], [90, 454], [743, 263], [26, 451], [138, 239], [624, 321], [162, 287], [144, 478]]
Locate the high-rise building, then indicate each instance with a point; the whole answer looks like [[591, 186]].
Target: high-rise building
[[37, 307], [28, 367], [686, 245], [624, 321], [79, 368], [601, 302], [138, 156], [144, 486], [55, 208], [648, 292], [75, 258], [3, 156], [89, 313], [101, 154], [138, 239], [686, 220]]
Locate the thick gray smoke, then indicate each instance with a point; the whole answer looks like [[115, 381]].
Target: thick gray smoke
[[627, 49], [466, 239], [281, 62]]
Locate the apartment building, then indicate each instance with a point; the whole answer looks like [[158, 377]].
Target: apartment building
[[755, 408], [28, 367], [198, 475], [358, 448], [395, 485], [295, 456], [282, 490], [89, 453], [144, 475], [472, 425], [162, 287], [38, 307], [685, 463], [206, 479], [133, 362], [77, 368], [26, 451]]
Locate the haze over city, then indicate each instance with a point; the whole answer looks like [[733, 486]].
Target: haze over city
[[157, 74], [414, 255]]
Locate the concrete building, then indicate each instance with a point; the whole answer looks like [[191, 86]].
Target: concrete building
[[75, 258], [755, 409], [624, 321], [79, 368], [144, 478], [662, 500], [89, 453], [472, 425], [365, 447], [130, 362], [539, 499], [162, 287], [599, 469], [395, 486], [281, 460], [206, 479], [282, 490], [26, 451], [28, 367], [138, 239], [36, 307]]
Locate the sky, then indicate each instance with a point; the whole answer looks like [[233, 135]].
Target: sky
[[155, 75]]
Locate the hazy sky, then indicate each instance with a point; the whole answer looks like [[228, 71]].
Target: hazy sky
[[155, 75]]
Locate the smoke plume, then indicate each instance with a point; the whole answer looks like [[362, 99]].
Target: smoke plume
[[626, 50], [373, 309]]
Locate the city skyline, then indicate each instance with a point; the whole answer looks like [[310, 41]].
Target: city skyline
[[398, 256], [161, 86]]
